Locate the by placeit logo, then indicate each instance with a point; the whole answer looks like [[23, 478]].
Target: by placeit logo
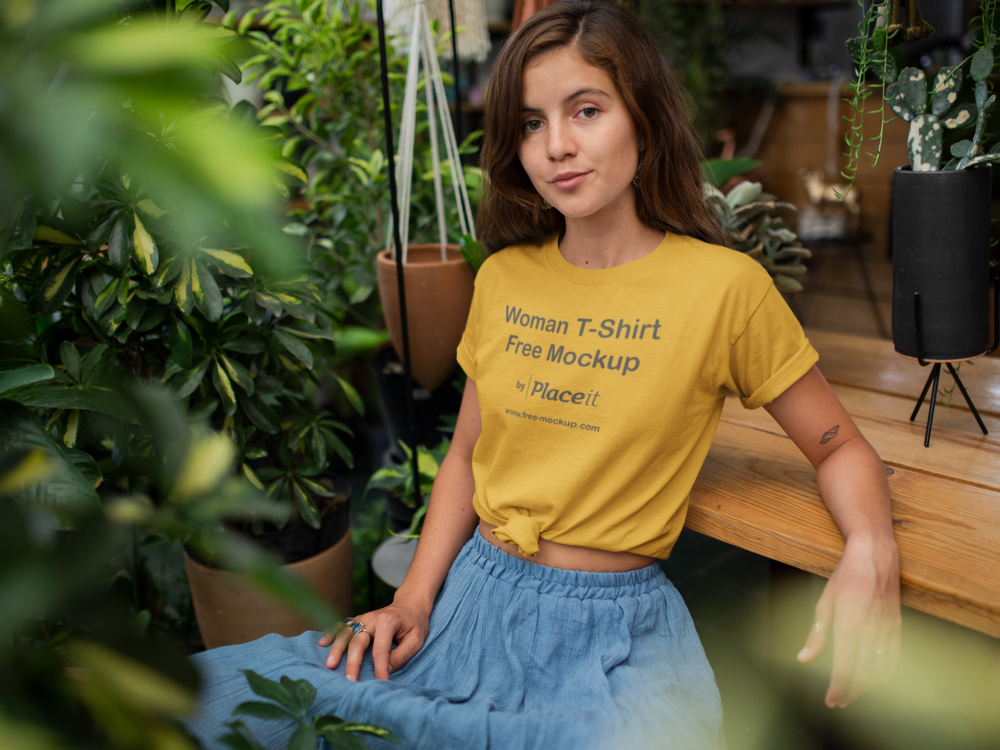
[[548, 392]]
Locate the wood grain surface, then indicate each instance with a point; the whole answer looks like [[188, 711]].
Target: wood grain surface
[[758, 492]]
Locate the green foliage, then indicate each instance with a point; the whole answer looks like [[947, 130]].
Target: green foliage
[[929, 112], [397, 480], [318, 65], [747, 216], [290, 700], [717, 172]]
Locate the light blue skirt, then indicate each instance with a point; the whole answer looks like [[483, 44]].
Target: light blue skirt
[[519, 655]]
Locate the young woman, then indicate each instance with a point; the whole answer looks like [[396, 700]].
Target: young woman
[[607, 326]]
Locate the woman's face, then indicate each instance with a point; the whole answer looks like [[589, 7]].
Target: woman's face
[[578, 141]]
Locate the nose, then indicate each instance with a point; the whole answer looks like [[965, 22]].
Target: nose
[[560, 141]]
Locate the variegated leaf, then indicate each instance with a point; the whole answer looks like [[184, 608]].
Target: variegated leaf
[[205, 291], [57, 286], [924, 144], [230, 263], [224, 387], [144, 247]]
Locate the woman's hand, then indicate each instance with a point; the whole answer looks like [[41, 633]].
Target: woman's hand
[[404, 622], [860, 606]]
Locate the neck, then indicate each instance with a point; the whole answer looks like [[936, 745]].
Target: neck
[[610, 237]]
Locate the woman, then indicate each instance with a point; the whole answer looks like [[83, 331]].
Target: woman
[[607, 326]]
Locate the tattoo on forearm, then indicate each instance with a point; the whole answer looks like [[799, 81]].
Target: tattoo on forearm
[[829, 434]]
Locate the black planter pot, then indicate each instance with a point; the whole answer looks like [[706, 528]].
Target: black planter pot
[[428, 406], [295, 543], [940, 262]]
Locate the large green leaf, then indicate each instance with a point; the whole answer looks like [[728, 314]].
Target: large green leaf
[[271, 690], [120, 242], [56, 288], [187, 382], [205, 291], [230, 263], [65, 491], [181, 345], [261, 710], [13, 380], [294, 345], [302, 690], [262, 415], [303, 738], [91, 398], [719, 171]]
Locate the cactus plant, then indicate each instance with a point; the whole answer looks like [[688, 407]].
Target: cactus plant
[[931, 112], [746, 215]]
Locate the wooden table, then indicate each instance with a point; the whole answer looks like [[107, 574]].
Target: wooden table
[[758, 492]]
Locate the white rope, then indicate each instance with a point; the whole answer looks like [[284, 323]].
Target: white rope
[[435, 158], [451, 146], [422, 46]]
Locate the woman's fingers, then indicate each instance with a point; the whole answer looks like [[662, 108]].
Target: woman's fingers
[[339, 635], [845, 650], [356, 651], [820, 631], [382, 645]]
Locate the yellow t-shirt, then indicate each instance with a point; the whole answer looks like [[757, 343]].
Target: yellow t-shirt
[[600, 390]]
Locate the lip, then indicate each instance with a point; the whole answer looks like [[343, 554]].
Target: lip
[[569, 180]]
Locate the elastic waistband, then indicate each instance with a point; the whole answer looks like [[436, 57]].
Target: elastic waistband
[[579, 584]]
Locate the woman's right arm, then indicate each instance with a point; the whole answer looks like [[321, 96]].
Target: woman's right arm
[[448, 525]]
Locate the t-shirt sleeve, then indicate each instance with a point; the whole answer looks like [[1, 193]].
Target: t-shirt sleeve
[[770, 354], [468, 346]]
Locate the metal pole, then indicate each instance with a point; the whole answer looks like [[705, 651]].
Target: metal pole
[[399, 250], [454, 67]]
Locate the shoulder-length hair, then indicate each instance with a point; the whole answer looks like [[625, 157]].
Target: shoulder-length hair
[[670, 195]]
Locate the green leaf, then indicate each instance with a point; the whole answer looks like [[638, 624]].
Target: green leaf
[[99, 234], [64, 490], [183, 293], [187, 382], [180, 343], [299, 350], [341, 740], [262, 415], [307, 506], [134, 311], [230, 263], [90, 398], [70, 359], [247, 343], [352, 395], [14, 380], [371, 729], [982, 64], [316, 488], [303, 738], [225, 389], [91, 361], [270, 689], [960, 116], [205, 291], [86, 465], [961, 148], [119, 243], [144, 247], [303, 692], [261, 710], [239, 373], [56, 288], [719, 171], [912, 87], [338, 445]]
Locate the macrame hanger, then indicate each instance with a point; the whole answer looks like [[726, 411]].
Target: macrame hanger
[[422, 49]]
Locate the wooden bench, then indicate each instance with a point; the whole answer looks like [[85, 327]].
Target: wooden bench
[[758, 492]]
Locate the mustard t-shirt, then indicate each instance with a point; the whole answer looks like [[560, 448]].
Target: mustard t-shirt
[[600, 390]]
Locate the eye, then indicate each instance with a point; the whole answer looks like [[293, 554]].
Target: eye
[[589, 113], [532, 125]]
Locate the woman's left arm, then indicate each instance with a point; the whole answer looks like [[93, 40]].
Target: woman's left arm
[[860, 604]]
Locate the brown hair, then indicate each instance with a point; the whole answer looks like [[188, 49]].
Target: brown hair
[[670, 196]]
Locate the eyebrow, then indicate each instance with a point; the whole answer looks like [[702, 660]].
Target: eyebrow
[[570, 98]]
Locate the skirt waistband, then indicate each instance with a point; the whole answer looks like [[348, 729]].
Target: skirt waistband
[[579, 584]]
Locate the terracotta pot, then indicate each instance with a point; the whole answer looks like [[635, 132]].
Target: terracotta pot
[[438, 297], [231, 610]]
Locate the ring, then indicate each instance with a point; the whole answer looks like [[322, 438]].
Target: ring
[[348, 621], [359, 627]]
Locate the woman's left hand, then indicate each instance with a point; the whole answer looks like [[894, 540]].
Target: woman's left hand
[[860, 607]]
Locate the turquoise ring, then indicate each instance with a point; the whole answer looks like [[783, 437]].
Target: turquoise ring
[[359, 627]]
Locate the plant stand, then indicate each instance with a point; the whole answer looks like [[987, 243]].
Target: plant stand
[[935, 374]]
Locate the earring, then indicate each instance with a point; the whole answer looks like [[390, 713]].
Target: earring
[[635, 180], [546, 206]]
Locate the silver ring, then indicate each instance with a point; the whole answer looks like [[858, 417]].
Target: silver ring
[[359, 627], [348, 621]]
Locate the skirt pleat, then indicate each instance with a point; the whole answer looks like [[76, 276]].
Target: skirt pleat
[[518, 656]]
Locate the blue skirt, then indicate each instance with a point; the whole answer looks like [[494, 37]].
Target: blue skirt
[[518, 655]]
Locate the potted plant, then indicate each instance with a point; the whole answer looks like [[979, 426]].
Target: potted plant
[[119, 273], [941, 206]]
